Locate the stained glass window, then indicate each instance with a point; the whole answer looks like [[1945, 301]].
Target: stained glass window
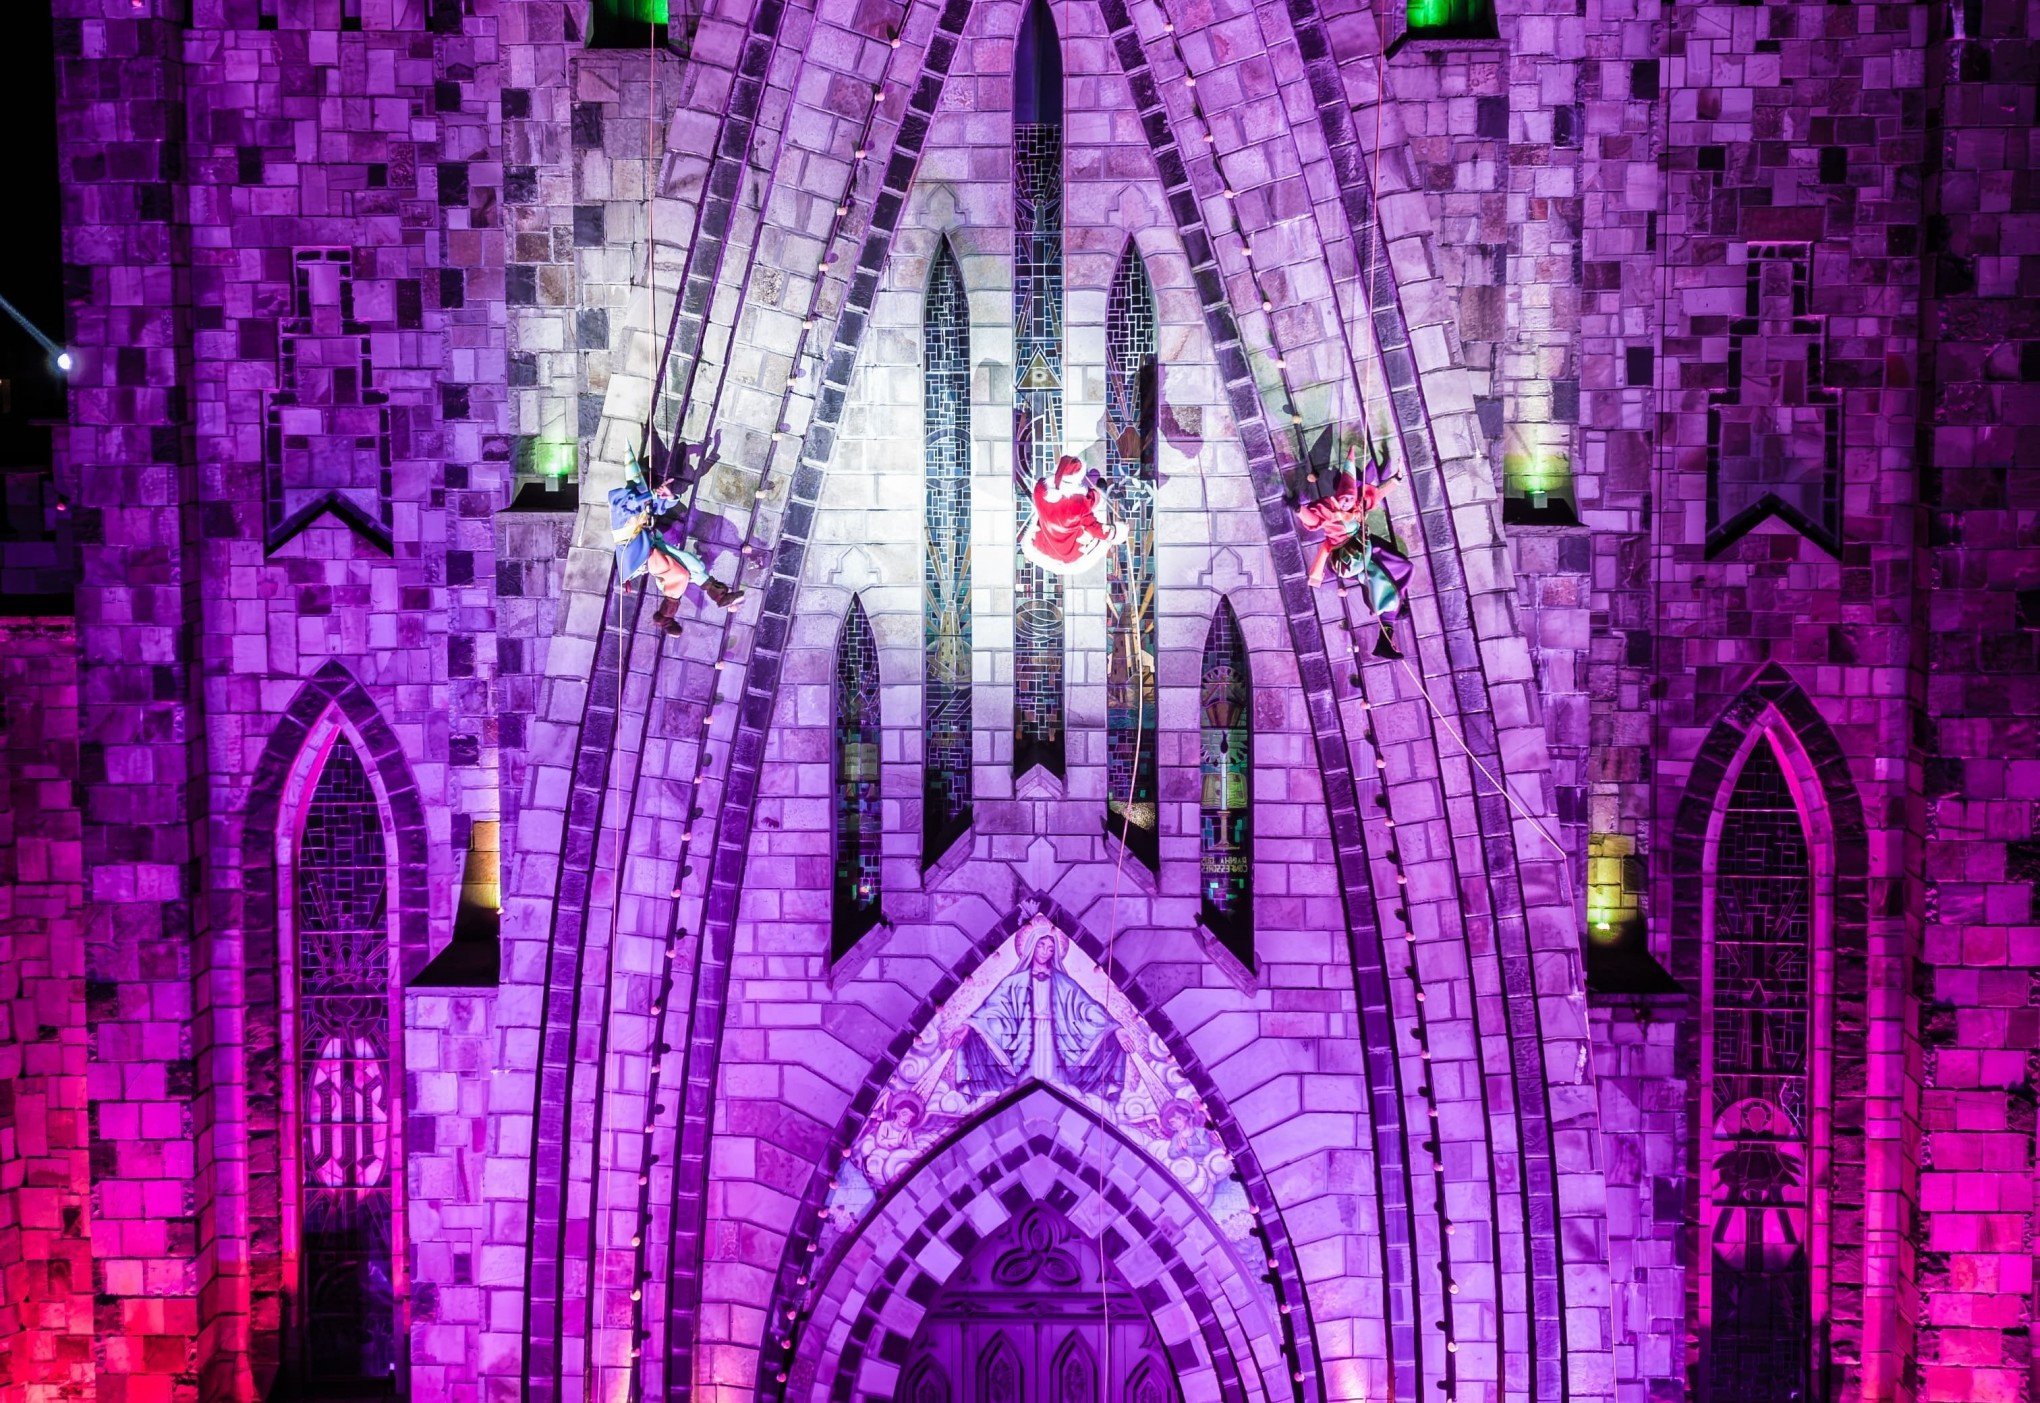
[[1451, 19], [1226, 808], [346, 1086], [1755, 1150], [945, 621], [860, 827], [1037, 392], [1132, 800]]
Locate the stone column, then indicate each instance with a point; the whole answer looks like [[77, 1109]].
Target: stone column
[[127, 462]]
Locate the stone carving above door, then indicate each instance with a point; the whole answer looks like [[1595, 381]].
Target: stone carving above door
[[1038, 1010]]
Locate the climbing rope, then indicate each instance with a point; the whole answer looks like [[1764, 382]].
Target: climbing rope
[[661, 1009]]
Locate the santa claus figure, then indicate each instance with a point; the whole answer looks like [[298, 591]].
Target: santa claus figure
[[1073, 525], [1355, 553], [642, 548]]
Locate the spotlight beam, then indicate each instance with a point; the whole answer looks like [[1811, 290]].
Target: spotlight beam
[[57, 353]]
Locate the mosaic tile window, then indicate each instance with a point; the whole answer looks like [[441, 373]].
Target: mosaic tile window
[[345, 1084], [860, 827], [1133, 809], [1756, 1029], [1225, 756], [1037, 392], [1450, 19], [945, 616]]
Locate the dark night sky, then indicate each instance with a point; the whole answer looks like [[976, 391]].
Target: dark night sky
[[33, 268]]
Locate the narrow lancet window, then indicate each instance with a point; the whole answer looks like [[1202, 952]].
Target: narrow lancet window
[[345, 1084], [1226, 758], [1133, 810], [945, 619], [860, 828], [1756, 1031], [1037, 392]]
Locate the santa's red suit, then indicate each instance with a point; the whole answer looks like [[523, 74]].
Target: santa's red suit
[[1072, 521]]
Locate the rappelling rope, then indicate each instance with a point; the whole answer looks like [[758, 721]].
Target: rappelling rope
[[662, 1006], [624, 656], [1138, 658], [1500, 788]]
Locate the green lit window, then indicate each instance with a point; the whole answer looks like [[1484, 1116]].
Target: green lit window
[[625, 24], [1537, 488], [1451, 19]]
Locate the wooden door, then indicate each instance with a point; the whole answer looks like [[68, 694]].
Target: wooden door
[[1029, 1318]]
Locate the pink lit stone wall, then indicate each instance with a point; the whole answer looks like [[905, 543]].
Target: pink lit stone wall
[[447, 1147], [46, 1286], [421, 238]]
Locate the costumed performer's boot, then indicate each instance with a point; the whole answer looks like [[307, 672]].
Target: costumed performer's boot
[[663, 616], [726, 596]]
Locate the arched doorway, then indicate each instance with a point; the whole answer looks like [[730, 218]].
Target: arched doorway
[[1032, 1316]]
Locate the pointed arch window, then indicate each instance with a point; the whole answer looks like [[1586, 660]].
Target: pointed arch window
[[1757, 1034], [860, 827], [1225, 757], [1133, 804], [346, 1082], [945, 623], [1037, 391]]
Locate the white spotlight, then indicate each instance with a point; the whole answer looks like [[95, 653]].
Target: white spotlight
[[64, 361]]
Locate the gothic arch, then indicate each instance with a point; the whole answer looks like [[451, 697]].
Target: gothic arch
[[1461, 482], [804, 1244], [857, 896], [1775, 711], [1226, 764], [330, 703], [1039, 1146]]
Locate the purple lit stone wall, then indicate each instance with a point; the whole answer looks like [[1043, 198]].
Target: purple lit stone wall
[[346, 278]]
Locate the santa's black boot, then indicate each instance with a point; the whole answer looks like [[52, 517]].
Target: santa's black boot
[[727, 596], [1384, 646]]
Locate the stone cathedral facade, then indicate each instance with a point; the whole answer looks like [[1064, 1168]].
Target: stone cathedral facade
[[940, 978]]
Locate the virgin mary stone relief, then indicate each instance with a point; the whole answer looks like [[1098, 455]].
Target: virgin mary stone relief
[[1039, 1010]]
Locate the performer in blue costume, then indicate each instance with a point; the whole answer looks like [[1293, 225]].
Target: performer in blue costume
[[642, 548]]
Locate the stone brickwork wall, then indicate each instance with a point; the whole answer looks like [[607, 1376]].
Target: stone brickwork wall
[[283, 222], [349, 277], [128, 465], [448, 1074], [1643, 1134], [1749, 100], [46, 1285], [1974, 669], [38, 556]]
